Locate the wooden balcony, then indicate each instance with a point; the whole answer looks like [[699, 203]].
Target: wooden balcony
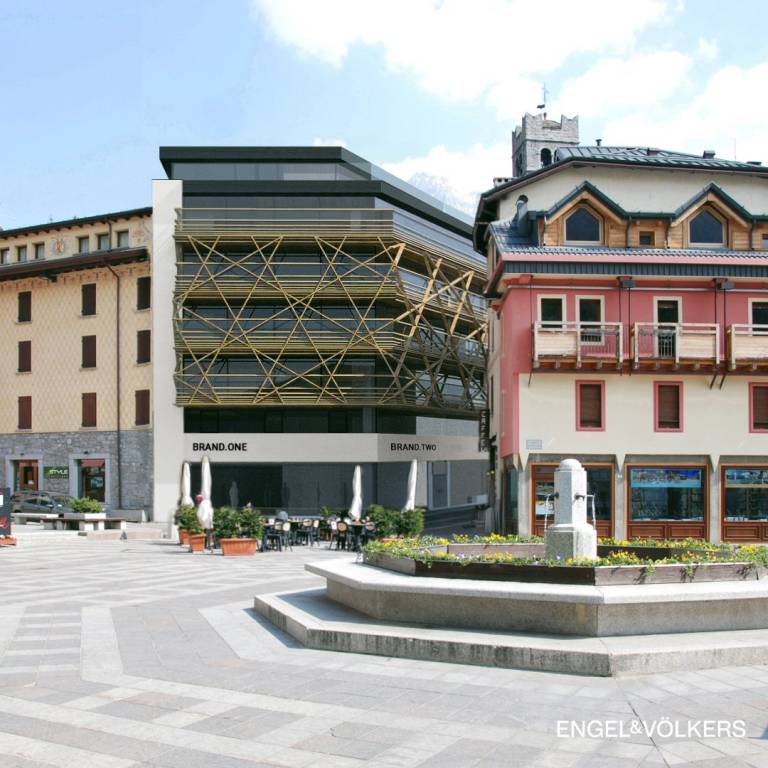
[[676, 346], [577, 345], [747, 347]]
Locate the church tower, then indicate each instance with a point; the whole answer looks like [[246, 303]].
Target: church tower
[[535, 142]]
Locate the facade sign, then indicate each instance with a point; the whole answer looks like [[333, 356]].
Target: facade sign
[[659, 477], [56, 473], [534, 444], [271, 448], [746, 477], [485, 431]]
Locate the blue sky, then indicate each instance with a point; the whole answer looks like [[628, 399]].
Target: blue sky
[[91, 89]]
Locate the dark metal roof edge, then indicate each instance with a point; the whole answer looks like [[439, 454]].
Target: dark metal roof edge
[[68, 223], [587, 186], [721, 195], [645, 269], [92, 260]]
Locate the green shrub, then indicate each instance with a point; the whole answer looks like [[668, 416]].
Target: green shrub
[[226, 523], [186, 519], [411, 523], [85, 506], [251, 524], [387, 520]]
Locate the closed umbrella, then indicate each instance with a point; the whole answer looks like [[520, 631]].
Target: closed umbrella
[[410, 502], [356, 507], [205, 508], [186, 486]]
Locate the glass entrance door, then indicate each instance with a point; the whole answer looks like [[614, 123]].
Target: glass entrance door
[[26, 476]]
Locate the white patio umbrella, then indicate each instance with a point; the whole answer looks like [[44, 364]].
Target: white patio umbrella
[[205, 508], [410, 502], [186, 486], [356, 507]]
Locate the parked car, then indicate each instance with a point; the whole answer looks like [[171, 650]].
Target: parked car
[[40, 503]]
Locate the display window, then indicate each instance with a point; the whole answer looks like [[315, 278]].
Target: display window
[[744, 503]]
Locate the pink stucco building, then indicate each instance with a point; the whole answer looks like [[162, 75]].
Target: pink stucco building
[[629, 329]]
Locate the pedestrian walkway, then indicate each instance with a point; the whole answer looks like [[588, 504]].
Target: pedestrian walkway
[[116, 654]]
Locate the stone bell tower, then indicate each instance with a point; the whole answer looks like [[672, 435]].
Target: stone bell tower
[[535, 141]]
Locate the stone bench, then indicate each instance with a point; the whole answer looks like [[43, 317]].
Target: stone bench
[[34, 517], [87, 524]]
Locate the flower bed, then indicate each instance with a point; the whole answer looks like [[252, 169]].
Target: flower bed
[[517, 559]]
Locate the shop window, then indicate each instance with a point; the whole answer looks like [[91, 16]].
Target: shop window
[[746, 494], [143, 346], [706, 230], [88, 299], [758, 407], [24, 300], [599, 488], [142, 407], [668, 410], [666, 493], [582, 227], [88, 352], [89, 409], [590, 405], [25, 412], [92, 476], [143, 292], [25, 357]]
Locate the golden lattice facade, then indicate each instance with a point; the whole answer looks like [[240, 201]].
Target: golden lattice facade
[[331, 308]]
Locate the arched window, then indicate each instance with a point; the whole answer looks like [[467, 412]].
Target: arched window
[[582, 227], [546, 157], [707, 230]]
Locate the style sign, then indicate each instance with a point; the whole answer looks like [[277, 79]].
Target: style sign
[[56, 473]]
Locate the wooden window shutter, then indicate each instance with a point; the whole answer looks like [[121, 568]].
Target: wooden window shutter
[[760, 407], [25, 356], [89, 352], [590, 406], [89, 409], [668, 406], [143, 346], [25, 307], [25, 412], [142, 407], [88, 295], [143, 292]]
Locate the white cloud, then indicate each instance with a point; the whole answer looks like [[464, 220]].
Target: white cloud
[[499, 50], [614, 84], [456, 177], [319, 141], [729, 108], [708, 49]]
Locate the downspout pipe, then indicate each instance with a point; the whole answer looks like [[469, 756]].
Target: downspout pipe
[[118, 390]]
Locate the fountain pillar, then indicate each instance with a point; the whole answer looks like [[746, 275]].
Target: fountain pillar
[[571, 535]]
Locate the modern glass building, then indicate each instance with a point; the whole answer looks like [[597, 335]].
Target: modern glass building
[[313, 312]]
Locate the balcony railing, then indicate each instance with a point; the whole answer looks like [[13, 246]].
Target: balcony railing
[[676, 344], [577, 343], [747, 346]]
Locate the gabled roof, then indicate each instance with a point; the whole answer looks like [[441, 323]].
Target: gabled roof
[[714, 190], [587, 186]]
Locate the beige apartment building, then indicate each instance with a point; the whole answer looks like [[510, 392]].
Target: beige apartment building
[[75, 352]]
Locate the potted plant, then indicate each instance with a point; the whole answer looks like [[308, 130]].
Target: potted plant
[[184, 519], [84, 509], [239, 533], [196, 536]]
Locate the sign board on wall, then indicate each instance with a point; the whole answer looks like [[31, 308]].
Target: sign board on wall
[[56, 473], [286, 448]]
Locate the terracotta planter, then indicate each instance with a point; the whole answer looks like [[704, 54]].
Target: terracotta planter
[[196, 542], [8, 541], [238, 547], [183, 537]]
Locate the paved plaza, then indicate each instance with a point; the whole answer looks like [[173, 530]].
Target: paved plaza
[[125, 653]]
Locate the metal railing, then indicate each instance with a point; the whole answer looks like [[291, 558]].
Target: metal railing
[[578, 342], [747, 344], [676, 342]]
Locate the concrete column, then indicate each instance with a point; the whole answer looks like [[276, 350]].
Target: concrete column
[[523, 502], [620, 504], [168, 418], [714, 504]]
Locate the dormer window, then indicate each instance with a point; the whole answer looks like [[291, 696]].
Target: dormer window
[[582, 228], [706, 230]]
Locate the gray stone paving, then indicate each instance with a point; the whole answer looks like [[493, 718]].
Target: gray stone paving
[[121, 654]]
